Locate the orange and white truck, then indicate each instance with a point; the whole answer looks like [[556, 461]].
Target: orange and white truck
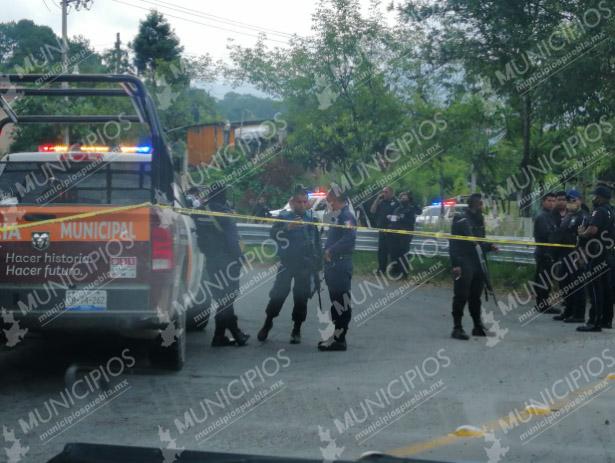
[[90, 241]]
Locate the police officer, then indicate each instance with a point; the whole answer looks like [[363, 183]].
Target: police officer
[[560, 209], [600, 235], [467, 272], [403, 218], [383, 207], [544, 228], [300, 256], [338, 267], [571, 264], [219, 240]]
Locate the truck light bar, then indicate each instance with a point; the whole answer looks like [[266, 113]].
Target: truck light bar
[[142, 149]]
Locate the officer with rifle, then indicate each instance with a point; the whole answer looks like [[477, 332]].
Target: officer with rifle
[[299, 251], [469, 266], [600, 236]]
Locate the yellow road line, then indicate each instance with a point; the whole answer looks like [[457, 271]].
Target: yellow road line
[[448, 439]]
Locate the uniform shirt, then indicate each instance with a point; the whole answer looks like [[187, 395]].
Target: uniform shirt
[[567, 231], [557, 217], [385, 208], [297, 246], [467, 223], [544, 227], [406, 216], [261, 210], [341, 241], [602, 217], [218, 237]]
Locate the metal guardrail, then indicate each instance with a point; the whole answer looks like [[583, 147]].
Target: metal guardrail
[[367, 240]]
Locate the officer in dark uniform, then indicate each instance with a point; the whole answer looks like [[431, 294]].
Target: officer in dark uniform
[[403, 218], [300, 258], [544, 228], [600, 232], [383, 207], [571, 263], [219, 240], [338, 268], [560, 209], [467, 271]]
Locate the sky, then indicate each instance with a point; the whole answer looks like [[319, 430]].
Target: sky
[[203, 26]]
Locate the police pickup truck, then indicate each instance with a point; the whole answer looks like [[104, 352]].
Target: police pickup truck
[[90, 241]]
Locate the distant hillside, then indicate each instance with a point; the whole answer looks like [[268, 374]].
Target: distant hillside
[[237, 107]]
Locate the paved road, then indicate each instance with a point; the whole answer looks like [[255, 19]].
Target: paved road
[[403, 386]]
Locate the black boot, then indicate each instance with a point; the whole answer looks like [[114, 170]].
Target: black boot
[[337, 342], [331, 345], [241, 338], [480, 330], [220, 340], [264, 331], [589, 328], [459, 333], [295, 335]]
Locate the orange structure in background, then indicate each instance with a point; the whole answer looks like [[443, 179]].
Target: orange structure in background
[[204, 140]]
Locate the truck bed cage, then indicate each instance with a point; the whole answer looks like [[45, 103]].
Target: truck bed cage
[[118, 85]]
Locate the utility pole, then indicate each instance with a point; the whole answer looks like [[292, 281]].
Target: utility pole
[[86, 4], [65, 59], [118, 53]]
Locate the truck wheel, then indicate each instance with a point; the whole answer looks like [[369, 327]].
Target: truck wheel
[[197, 317], [169, 351]]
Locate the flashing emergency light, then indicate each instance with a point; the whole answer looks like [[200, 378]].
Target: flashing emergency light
[[318, 192], [448, 202], [142, 149], [52, 148]]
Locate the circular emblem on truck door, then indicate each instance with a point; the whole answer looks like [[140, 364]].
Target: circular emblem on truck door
[[40, 240]]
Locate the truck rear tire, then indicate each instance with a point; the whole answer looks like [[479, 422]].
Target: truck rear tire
[[169, 352], [197, 317]]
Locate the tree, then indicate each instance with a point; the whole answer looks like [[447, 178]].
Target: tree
[[339, 106], [498, 40], [25, 47], [117, 59], [155, 42]]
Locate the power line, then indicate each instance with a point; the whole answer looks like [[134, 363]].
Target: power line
[[201, 23], [221, 19]]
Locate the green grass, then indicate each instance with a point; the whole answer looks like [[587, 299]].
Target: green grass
[[504, 275]]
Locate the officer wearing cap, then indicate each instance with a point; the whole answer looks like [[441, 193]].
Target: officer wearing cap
[[403, 218], [571, 264], [600, 235], [383, 208], [544, 227], [467, 271], [218, 239], [300, 256], [338, 267]]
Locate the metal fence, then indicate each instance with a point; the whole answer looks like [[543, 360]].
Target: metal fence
[[367, 240]]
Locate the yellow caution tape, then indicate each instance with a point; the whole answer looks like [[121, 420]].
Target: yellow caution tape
[[182, 210], [83, 215], [438, 235]]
